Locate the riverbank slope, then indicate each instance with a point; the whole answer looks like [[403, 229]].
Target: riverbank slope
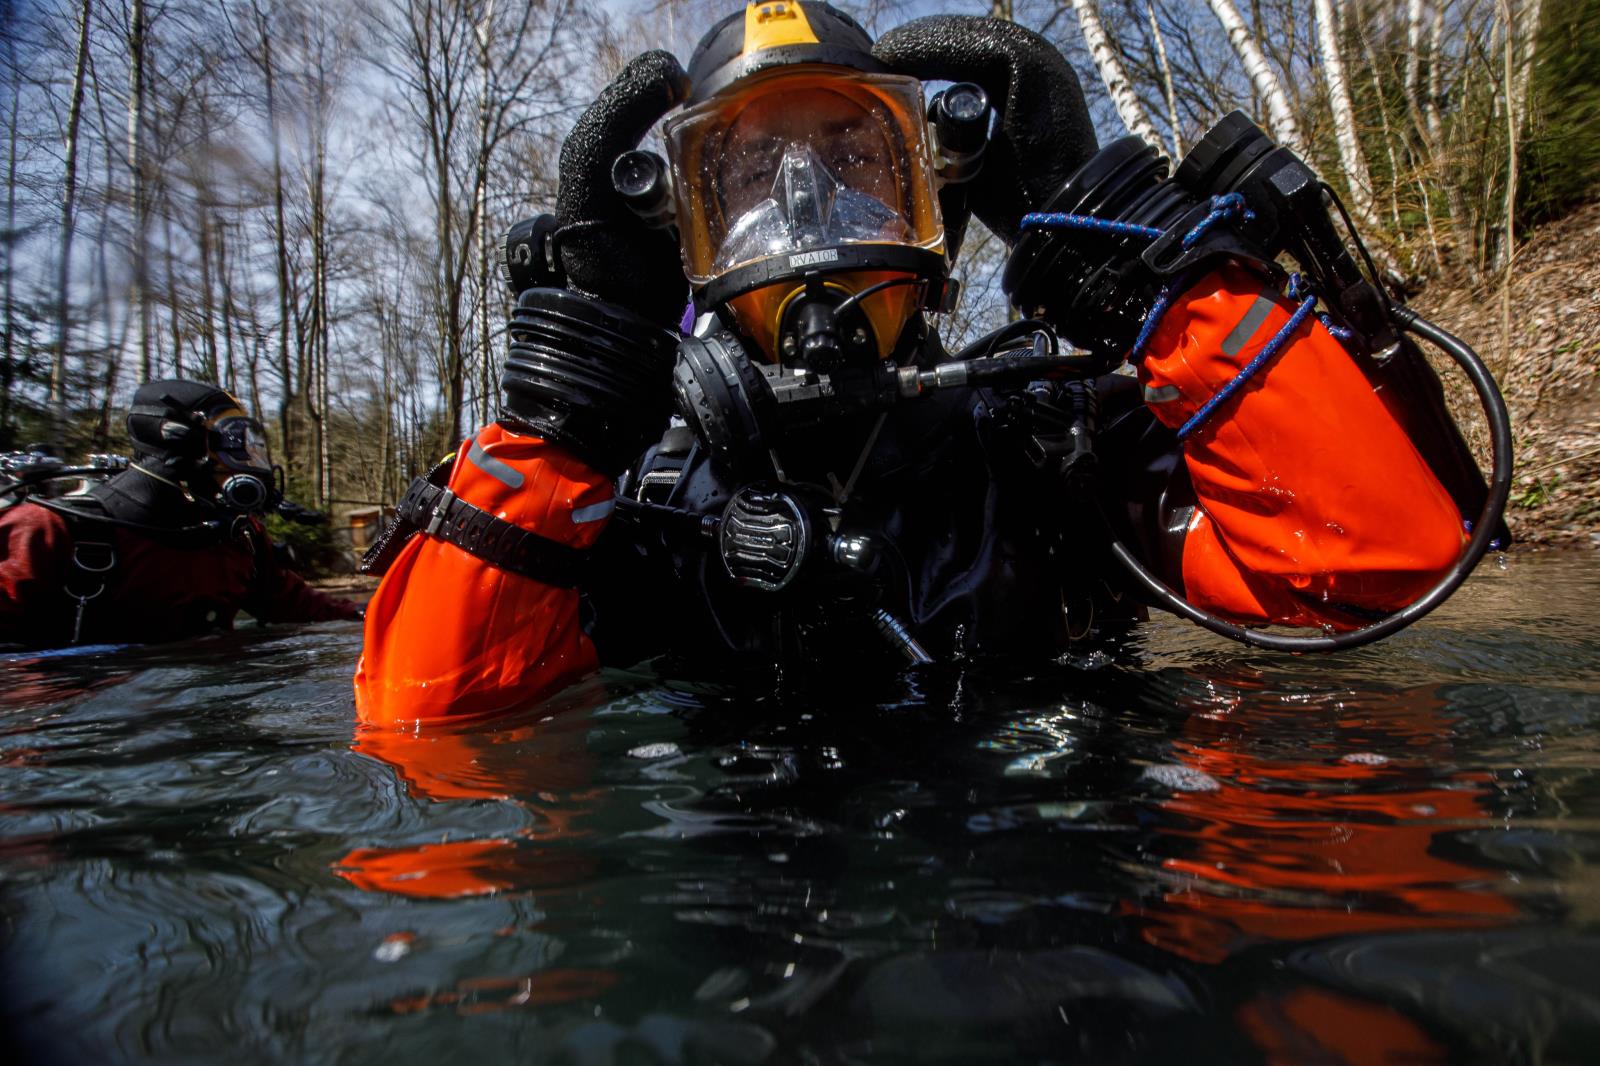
[[1551, 377]]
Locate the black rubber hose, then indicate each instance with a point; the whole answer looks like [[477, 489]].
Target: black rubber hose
[[1494, 505]]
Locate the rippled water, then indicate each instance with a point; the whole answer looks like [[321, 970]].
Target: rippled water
[[1180, 850]]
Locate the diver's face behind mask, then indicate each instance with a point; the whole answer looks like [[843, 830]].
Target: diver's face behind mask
[[808, 179], [241, 460]]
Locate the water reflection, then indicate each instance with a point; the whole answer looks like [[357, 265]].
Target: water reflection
[[1167, 850], [1321, 818], [541, 767]]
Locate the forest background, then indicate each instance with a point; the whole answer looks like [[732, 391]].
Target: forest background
[[300, 199]]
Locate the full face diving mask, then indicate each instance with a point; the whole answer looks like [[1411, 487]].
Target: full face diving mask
[[237, 445], [806, 209]]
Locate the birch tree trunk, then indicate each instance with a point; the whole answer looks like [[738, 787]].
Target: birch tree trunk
[[229, 315], [171, 276], [1430, 107], [1166, 83], [1413, 47], [1508, 247], [1129, 109], [137, 195], [208, 298], [69, 193], [1283, 127], [266, 63], [1351, 158], [1530, 37], [485, 386]]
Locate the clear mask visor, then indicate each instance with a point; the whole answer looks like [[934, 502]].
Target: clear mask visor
[[806, 158], [808, 208], [240, 444]]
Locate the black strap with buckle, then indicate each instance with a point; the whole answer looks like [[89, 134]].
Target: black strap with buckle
[[432, 509]]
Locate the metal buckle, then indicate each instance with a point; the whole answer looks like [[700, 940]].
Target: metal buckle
[[436, 519]]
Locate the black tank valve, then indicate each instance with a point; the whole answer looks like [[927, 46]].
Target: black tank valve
[[528, 258]]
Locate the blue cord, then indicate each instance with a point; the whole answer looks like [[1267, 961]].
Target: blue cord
[[1046, 220], [1249, 370], [1299, 290], [1151, 321], [1224, 207]]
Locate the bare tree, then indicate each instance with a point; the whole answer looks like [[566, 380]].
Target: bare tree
[[430, 46], [1351, 157], [1169, 93], [1129, 109], [58, 370], [1266, 84]]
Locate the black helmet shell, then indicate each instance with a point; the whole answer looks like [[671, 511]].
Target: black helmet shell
[[736, 47]]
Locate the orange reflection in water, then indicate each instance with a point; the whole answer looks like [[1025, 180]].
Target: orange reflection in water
[[543, 765], [1317, 1025], [1275, 844], [1298, 848]]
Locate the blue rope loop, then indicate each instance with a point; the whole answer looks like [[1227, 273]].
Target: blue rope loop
[[1226, 207], [1268, 352], [1299, 289]]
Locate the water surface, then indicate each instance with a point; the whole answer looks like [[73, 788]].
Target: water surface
[[1177, 849]]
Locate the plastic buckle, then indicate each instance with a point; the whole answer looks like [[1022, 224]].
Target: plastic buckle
[[437, 517]]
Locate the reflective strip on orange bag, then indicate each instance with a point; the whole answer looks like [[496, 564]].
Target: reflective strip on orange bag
[[447, 635], [1311, 495]]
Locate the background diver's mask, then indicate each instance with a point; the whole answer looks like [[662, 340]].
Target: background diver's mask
[[237, 444], [197, 434], [798, 192]]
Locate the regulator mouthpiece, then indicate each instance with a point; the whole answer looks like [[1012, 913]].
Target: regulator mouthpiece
[[245, 493]]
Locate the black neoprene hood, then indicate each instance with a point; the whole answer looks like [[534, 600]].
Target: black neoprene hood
[[158, 404]]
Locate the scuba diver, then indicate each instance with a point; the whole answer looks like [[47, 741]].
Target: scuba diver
[[171, 547], [809, 478]]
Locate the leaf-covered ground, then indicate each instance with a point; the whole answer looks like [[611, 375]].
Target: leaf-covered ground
[[1552, 381]]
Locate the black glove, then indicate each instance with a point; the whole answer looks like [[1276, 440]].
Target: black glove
[[606, 249], [590, 363], [1044, 132]]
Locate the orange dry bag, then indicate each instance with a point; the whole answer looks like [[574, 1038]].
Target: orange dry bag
[[450, 636], [1314, 505]]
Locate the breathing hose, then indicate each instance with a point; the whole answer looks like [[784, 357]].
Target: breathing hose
[[1483, 531]]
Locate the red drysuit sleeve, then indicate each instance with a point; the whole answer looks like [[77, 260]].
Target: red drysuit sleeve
[[447, 635], [281, 595], [35, 548], [1311, 496]]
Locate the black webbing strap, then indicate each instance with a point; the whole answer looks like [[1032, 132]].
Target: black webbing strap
[[439, 513]]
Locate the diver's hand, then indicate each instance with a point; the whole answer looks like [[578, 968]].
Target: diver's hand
[[1044, 131], [606, 250]]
